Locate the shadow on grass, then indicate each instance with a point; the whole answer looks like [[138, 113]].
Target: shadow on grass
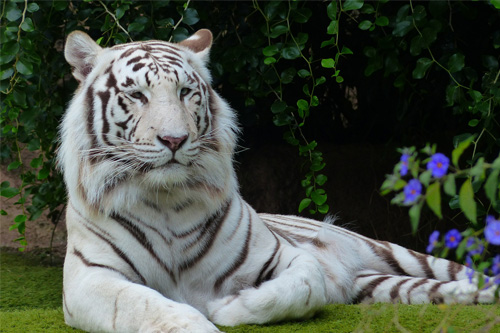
[[31, 301]]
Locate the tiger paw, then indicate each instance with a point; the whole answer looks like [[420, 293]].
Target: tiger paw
[[188, 321]]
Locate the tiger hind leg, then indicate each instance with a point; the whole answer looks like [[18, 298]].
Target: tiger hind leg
[[374, 287]]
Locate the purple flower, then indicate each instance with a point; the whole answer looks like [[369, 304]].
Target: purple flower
[[412, 191], [433, 239], [405, 158], [438, 165], [469, 271], [452, 238], [474, 246], [495, 268], [492, 230]]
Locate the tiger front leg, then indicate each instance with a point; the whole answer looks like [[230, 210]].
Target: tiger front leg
[[97, 299], [298, 291]]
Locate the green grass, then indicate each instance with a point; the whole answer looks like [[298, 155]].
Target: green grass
[[31, 302]]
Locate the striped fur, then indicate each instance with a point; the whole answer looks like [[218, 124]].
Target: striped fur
[[159, 238]]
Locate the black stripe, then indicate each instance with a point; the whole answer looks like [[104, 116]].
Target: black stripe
[[65, 303], [424, 264], [209, 232], [387, 256], [434, 296], [280, 233], [88, 263], [90, 116], [367, 291], [134, 60], [414, 286], [260, 277], [142, 239], [242, 256], [394, 293], [120, 253], [454, 269]]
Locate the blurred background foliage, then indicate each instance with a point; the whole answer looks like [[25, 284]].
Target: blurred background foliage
[[370, 76]]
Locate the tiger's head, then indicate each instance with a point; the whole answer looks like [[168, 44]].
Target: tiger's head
[[144, 114]]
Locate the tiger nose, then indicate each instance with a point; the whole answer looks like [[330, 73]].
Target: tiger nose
[[173, 143]]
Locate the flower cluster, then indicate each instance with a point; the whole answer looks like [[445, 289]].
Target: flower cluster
[[423, 178], [438, 166], [474, 247]]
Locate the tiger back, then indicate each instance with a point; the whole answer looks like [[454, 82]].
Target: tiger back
[[159, 238]]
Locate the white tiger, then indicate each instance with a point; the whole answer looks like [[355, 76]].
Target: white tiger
[[159, 238]]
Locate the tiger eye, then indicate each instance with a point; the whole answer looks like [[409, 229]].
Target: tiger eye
[[185, 91], [137, 94]]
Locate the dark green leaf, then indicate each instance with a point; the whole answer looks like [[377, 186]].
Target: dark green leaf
[[278, 107], [346, 50], [456, 62], [449, 186], [423, 65], [320, 80], [190, 16], [9, 192], [3, 212], [473, 122], [290, 52], [24, 67], [352, 4], [302, 15], [333, 29], [321, 179], [303, 73], [287, 75], [14, 165], [318, 198], [302, 104], [491, 185], [12, 13], [304, 204], [457, 152], [331, 10], [328, 63], [270, 50], [433, 198], [269, 60], [33, 144], [278, 30], [6, 74], [402, 28], [365, 25], [382, 21], [323, 209], [466, 201], [20, 218], [33, 7], [475, 95], [27, 25], [414, 214], [43, 174]]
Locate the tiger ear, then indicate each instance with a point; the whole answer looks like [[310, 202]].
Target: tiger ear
[[81, 52], [199, 43]]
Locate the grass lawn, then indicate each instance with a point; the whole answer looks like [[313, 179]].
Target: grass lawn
[[31, 302]]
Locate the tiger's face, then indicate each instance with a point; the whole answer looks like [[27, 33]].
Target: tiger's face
[[148, 107], [153, 107]]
